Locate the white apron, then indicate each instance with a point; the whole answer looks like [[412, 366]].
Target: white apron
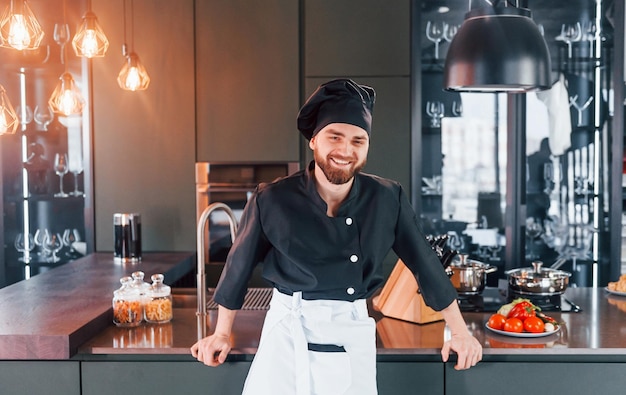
[[283, 364]]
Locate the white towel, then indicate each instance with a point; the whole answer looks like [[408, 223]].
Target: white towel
[[556, 100]]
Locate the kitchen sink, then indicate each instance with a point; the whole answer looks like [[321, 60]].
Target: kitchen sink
[[186, 298]]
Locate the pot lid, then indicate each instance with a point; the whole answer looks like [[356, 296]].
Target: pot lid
[[537, 271]]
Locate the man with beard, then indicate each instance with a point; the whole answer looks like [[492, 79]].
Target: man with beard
[[321, 235]]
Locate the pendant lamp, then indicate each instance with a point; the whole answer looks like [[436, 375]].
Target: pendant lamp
[[90, 40], [133, 75], [19, 28], [66, 98], [8, 117], [498, 48]]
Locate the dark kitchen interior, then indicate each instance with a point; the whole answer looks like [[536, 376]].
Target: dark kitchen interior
[[520, 194]]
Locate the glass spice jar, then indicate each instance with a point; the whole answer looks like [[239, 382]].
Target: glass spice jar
[[158, 301], [127, 305]]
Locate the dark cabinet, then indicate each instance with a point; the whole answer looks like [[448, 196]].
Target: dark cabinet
[[368, 41], [247, 80], [43, 200]]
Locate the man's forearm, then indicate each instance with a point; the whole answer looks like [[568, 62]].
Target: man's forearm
[[225, 320], [454, 319]]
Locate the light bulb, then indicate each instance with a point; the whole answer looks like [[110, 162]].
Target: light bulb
[[132, 79], [18, 32], [68, 102], [4, 127], [89, 44]]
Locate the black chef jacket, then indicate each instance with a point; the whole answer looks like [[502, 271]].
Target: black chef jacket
[[284, 225]]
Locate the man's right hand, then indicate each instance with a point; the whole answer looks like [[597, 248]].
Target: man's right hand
[[212, 350]]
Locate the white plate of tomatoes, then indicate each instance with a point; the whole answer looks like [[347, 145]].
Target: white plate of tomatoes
[[524, 334], [521, 318]]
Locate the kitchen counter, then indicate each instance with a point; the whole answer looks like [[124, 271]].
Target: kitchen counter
[[49, 315], [597, 331], [156, 358]]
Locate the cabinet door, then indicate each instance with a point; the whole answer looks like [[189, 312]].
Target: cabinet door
[[153, 377], [40, 377], [357, 38], [247, 73], [509, 378]]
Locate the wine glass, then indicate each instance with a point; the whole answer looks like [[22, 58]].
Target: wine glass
[[53, 242], [548, 177], [573, 102], [60, 167], [40, 235], [457, 108], [61, 36], [24, 243], [449, 31], [24, 114], [76, 167], [435, 111], [71, 236], [435, 32], [43, 116], [570, 34], [534, 229]]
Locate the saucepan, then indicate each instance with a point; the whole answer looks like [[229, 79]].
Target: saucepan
[[538, 280], [469, 276]]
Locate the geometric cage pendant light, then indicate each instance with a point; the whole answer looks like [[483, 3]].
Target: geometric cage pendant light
[[66, 98], [90, 40], [498, 48], [133, 75], [19, 27]]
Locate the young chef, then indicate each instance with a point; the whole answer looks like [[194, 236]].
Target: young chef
[[322, 235]]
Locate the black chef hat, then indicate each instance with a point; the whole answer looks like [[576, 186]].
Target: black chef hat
[[337, 101]]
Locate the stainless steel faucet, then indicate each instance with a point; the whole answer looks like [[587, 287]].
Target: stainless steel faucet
[[203, 231]]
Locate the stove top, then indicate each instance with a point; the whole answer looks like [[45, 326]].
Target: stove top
[[491, 299]]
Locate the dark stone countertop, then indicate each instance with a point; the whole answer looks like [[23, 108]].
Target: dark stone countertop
[[50, 315]]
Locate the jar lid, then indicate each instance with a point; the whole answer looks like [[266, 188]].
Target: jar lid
[[126, 291], [158, 289], [138, 282]]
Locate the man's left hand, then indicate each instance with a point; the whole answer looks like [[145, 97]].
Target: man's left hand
[[467, 348]]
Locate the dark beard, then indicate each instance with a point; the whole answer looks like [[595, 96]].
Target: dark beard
[[334, 175]]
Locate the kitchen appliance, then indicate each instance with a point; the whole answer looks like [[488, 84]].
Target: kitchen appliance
[[231, 183], [469, 276], [127, 232], [538, 281], [491, 299]]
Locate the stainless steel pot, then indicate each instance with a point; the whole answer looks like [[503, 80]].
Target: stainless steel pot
[[538, 280], [469, 276]]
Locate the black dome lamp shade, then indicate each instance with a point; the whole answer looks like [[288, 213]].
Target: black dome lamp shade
[[498, 49]]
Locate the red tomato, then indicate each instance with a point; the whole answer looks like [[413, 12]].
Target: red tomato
[[533, 325], [513, 325], [496, 321]]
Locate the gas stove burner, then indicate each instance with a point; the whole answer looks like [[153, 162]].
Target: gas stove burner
[[544, 302], [471, 303], [491, 299]]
